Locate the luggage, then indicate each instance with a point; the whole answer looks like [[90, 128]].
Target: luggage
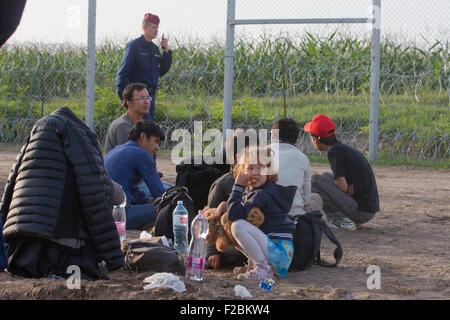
[[164, 207], [307, 239], [198, 178], [146, 256]]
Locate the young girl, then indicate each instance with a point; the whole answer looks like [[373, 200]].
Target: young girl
[[270, 245]]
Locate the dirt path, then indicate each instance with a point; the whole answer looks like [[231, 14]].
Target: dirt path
[[408, 240]]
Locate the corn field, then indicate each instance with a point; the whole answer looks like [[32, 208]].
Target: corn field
[[274, 77]]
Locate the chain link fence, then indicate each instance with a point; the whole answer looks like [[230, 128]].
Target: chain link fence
[[285, 71]]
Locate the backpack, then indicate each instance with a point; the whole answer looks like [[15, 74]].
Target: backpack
[[164, 207], [198, 178], [146, 256], [307, 239]]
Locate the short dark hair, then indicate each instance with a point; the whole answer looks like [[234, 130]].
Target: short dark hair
[[326, 140], [127, 94], [145, 126], [289, 130], [233, 141]]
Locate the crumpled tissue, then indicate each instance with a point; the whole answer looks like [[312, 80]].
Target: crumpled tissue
[[164, 279], [241, 291]]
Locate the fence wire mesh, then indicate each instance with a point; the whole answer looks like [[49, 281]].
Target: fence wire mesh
[[284, 72]]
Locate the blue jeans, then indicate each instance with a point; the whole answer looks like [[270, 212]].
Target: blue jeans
[[138, 215]]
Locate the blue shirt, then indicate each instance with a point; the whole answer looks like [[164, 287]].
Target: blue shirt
[[127, 164], [143, 63]]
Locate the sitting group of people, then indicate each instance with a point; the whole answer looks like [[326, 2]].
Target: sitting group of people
[[56, 208], [348, 196]]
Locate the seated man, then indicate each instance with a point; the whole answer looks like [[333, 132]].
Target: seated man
[[293, 166], [132, 162], [136, 101], [57, 205], [350, 194]]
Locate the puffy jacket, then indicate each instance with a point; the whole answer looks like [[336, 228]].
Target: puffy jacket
[[58, 188]]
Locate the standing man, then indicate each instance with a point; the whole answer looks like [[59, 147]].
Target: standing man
[[136, 101], [143, 62], [350, 194]]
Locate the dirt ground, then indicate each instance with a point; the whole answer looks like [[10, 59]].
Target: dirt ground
[[408, 240]]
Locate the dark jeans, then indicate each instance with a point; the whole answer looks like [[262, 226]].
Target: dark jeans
[[139, 215], [336, 203]]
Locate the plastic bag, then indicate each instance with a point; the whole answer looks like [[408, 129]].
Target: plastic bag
[[241, 291], [165, 279]]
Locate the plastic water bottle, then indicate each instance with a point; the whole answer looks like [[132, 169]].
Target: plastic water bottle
[[180, 228], [197, 248], [120, 218]]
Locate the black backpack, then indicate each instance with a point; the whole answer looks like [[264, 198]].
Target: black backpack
[[143, 256], [307, 239], [198, 178], [164, 207]]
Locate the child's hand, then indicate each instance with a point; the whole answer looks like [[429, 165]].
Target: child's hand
[[242, 179]]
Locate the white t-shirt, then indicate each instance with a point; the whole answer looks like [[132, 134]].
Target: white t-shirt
[[293, 170]]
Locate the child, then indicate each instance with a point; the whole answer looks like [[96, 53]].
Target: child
[[270, 245]]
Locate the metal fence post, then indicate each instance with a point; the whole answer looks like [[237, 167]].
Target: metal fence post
[[229, 61], [375, 80], [90, 67]]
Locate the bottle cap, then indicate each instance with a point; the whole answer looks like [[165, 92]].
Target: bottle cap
[[180, 202]]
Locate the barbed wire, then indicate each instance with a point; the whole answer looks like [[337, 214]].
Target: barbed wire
[[321, 74]]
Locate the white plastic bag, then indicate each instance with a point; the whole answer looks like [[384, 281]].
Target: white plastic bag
[[241, 291], [145, 236], [164, 279]]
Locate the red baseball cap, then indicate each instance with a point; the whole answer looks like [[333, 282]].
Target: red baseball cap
[[151, 18], [321, 126]]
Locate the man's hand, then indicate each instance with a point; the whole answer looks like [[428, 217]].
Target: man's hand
[[220, 210], [351, 190], [165, 45], [214, 261], [341, 184]]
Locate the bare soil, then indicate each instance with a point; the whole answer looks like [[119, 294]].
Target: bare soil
[[408, 240]]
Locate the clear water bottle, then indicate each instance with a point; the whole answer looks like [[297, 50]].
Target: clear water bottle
[[180, 228], [120, 218], [197, 248]]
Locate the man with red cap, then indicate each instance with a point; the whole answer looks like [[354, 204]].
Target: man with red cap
[[350, 194], [143, 61]]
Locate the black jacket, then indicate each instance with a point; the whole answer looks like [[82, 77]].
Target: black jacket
[[58, 188]]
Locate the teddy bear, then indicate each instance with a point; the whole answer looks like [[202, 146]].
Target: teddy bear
[[220, 229]]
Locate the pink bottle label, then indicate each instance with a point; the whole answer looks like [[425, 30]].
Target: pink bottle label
[[120, 227], [180, 220], [194, 263]]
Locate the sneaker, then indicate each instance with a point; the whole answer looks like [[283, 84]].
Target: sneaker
[[260, 271], [342, 223]]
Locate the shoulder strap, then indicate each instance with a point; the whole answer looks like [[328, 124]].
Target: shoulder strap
[[338, 252]]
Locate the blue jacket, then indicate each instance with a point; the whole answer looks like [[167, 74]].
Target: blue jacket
[[143, 63], [274, 200], [127, 164]]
